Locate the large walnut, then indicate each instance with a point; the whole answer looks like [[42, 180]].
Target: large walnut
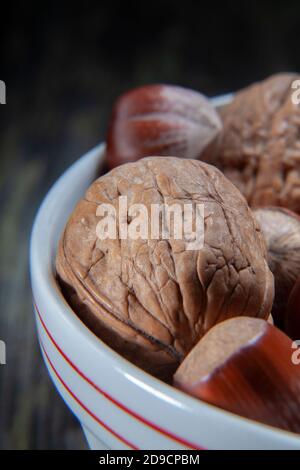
[[152, 300], [259, 149]]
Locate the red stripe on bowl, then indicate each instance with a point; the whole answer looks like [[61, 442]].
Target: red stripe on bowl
[[98, 420], [127, 410]]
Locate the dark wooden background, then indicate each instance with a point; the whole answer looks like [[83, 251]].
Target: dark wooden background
[[63, 68]]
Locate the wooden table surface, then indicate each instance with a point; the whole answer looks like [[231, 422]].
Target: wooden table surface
[[43, 129], [32, 415], [39, 139]]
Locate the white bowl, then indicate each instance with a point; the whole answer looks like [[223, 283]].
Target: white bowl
[[118, 405]]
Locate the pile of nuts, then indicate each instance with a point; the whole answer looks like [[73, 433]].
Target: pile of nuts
[[200, 319]]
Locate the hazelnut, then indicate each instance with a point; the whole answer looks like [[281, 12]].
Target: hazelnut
[[258, 149], [244, 365], [153, 299], [160, 120], [281, 229]]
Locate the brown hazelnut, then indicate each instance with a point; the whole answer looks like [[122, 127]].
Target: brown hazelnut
[[153, 299], [160, 120], [244, 365], [258, 149], [281, 229]]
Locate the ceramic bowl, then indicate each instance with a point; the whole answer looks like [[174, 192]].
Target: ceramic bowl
[[118, 405]]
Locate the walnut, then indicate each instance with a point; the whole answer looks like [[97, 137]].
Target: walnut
[[259, 149], [281, 229], [152, 300]]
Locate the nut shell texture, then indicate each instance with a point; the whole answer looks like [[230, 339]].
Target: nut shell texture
[[160, 120], [244, 365], [281, 229], [152, 300], [259, 149]]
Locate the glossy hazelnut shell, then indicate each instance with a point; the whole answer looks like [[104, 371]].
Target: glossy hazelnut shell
[[160, 120], [251, 375]]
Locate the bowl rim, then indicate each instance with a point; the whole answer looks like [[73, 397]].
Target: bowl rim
[[42, 268]]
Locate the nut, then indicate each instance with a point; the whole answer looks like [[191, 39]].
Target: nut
[[244, 365], [152, 300], [281, 229], [160, 120], [259, 149]]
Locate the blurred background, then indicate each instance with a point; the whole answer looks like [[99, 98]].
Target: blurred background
[[63, 67]]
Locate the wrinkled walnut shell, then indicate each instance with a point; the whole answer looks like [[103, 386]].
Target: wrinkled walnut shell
[[259, 148], [152, 300]]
